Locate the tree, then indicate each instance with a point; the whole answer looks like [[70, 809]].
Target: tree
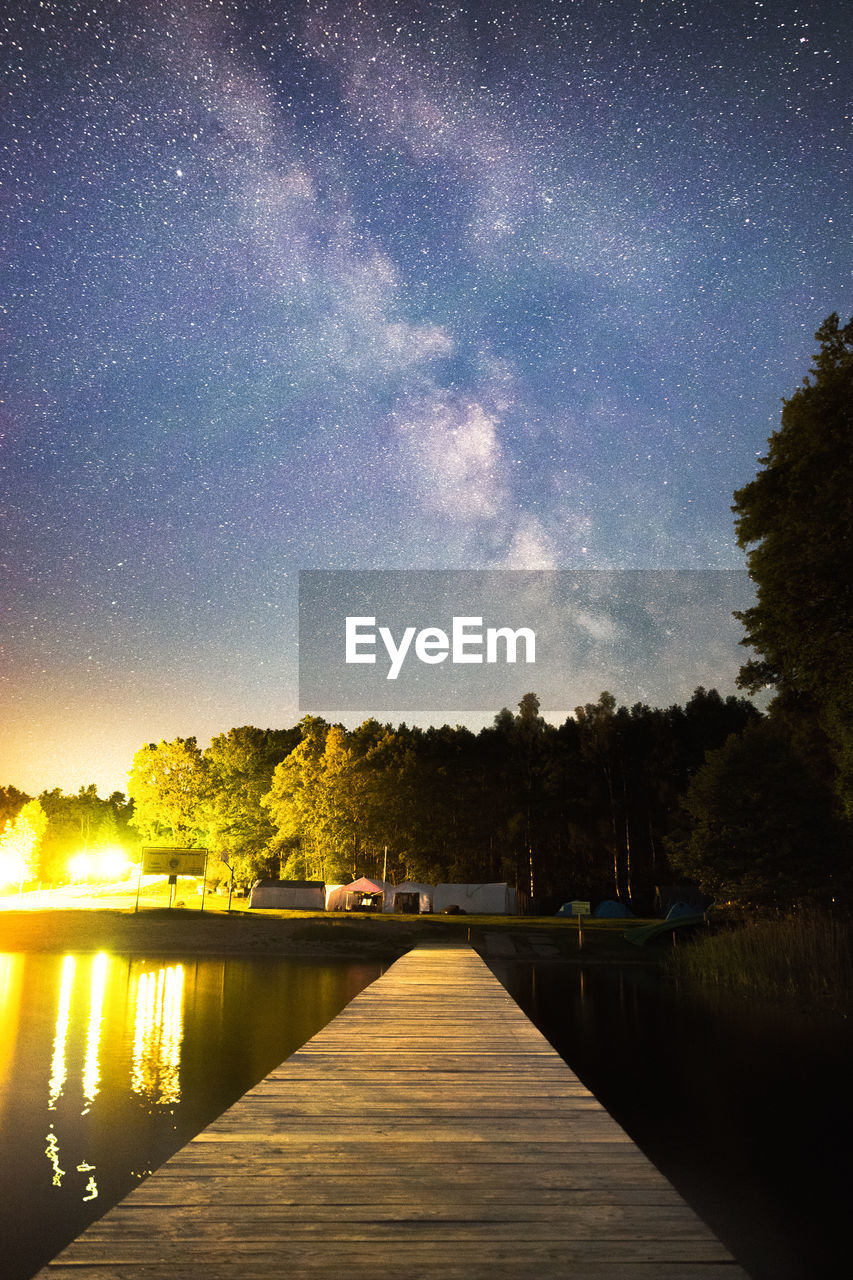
[[760, 828], [524, 739], [12, 802], [20, 844], [168, 785], [795, 520], [601, 746], [295, 804], [240, 766]]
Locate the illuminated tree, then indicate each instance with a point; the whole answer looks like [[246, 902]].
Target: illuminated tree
[[240, 767], [168, 783], [20, 845], [294, 804]]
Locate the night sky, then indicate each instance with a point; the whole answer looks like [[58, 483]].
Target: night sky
[[317, 285]]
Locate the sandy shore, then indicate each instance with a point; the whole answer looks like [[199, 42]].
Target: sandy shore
[[156, 932]]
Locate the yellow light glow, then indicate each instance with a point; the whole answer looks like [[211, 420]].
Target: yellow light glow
[[158, 1034], [100, 866], [12, 866]]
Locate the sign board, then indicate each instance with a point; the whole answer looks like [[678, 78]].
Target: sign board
[[173, 862], [580, 908]]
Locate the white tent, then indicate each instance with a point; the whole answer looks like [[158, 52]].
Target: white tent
[[479, 899], [410, 896], [289, 895], [355, 896]]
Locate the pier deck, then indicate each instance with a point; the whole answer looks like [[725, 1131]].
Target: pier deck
[[428, 1131]]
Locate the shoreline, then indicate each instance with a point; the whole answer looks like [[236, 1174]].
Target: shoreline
[[181, 932]]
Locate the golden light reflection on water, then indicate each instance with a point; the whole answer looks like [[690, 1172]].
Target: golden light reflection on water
[[52, 1153], [11, 982], [91, 1070], [59, 1061], [59, 1065], [158, 1033]]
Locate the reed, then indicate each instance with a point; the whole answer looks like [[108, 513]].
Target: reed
[[806, 957]]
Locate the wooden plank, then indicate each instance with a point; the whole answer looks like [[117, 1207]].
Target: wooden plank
[[428, 1131]]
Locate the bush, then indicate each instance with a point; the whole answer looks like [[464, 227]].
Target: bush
[[805, 957]]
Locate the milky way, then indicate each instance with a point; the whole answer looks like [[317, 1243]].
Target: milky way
[[321, 285]]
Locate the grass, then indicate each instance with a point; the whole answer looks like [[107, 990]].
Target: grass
[[805, 958], [187, 929]]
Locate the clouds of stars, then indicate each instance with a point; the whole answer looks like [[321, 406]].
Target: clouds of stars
[[392, 285]]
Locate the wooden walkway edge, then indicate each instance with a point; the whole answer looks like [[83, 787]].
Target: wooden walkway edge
[[428, 1131]]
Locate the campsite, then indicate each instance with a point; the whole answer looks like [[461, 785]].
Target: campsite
[[409, 898]]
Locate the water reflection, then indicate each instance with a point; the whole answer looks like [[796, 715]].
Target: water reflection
[[108, 1064], [91, 1185], [11, 981], [91, 1072], [159, 1032], [58, 1066], [52, 1153]]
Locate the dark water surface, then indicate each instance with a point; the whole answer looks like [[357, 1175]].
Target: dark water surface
[[109, 1064], [747, 1109]]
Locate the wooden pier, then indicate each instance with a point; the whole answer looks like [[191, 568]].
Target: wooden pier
[[428, 1131]]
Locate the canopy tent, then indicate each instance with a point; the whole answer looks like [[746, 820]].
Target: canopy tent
[[360, 895], [289, 895], [410, 897], [481, 899]]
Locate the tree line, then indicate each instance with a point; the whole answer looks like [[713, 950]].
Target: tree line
[[609, 804], [41, 836], [586, 808]]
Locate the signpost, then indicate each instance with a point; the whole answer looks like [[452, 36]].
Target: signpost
[[223, 858], [172, 861], [580, 909]]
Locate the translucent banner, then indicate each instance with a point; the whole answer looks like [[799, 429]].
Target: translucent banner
[[405, 643]]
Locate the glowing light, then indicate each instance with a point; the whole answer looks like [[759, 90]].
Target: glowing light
[[91, 1069], [158, 1034], [91, 1185], [52, 1153], [100, 866], [59, 1066]]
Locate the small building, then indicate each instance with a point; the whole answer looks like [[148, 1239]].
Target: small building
[[409, 898], [288, 895], [360, 895], [479, 899]]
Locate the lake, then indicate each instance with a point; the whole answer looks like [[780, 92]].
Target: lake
[[108, 1064], [746, 1108]]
